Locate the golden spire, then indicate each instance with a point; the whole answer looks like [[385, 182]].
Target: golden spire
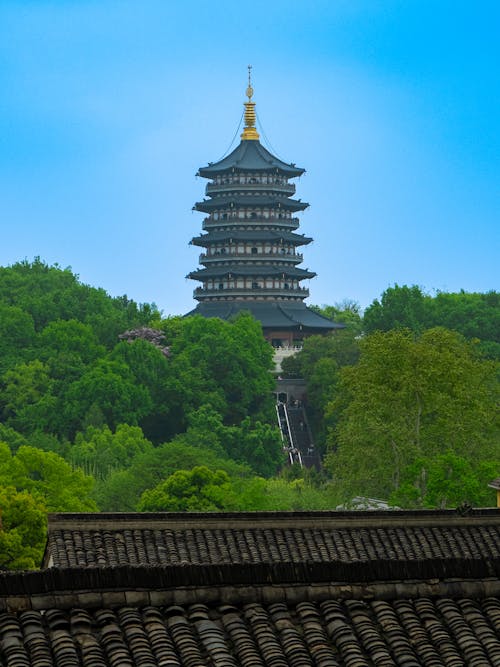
[[249, 131]]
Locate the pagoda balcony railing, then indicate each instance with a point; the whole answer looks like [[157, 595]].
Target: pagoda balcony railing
[[224, 257], [212, 188], [234, 221], [207, 292]]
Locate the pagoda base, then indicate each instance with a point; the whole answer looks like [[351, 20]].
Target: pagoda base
[[284, 323]]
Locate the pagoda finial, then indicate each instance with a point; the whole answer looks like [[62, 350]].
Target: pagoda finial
[[249, 131]]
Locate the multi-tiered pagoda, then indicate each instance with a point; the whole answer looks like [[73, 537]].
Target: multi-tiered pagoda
[[250, 259]]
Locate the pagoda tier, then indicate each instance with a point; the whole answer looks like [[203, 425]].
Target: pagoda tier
[[250, 258]]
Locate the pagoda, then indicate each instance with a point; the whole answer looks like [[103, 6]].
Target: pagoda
[[250, 259]]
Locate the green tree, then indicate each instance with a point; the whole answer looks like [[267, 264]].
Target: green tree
[[446, 480], [253, 443], [400, 307], [26, 397], [150, 370], [121, 491], [49, 293], [99, 451], [474, 315], [17, 335], [196, 490], [47, 476], [222, 364], [22, 531], [109, 386], [346, 312], [407, 398]]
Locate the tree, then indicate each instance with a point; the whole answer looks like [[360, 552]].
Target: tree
[[99, 451], [109, 386], [346, 312], [69, 337], [49, 293], [17, 335], [446, 480], [407, 398], [400, 307], [121, 491], [223, 364], [196, 490], [27, 398], [474, 315], [253, 443], [22, 530], [150, 369], [47, 477]]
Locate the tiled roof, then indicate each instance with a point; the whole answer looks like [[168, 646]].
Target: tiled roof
[[307, 589], [349, 537], [332, 633], [280, 315], [250, 156], [228, 201]]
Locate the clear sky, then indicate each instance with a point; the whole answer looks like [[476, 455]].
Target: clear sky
[[108, 108]]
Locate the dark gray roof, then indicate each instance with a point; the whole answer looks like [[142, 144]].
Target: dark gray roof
[[270, 270], [305, 589], [295, 631], [251, 235], [283, 315], [249, 200], [93, 540], [250, 156]]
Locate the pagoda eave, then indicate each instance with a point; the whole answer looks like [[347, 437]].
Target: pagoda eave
[[207, 240], [250, 156], [268, 270], [218, 203]]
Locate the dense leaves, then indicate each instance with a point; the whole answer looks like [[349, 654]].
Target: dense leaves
[[410, 398], [23, 529], [471, 314]]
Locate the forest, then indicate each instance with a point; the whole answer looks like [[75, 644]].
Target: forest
[[106, 405]]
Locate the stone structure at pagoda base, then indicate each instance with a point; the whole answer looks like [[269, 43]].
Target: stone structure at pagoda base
[[250, 252]]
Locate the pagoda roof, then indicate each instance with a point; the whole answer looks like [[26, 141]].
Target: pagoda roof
[[250, 156], [266, 270], [251, 235], [215, 203], [282, 315]]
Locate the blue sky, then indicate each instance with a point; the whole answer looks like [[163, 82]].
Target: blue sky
[[108, 108]]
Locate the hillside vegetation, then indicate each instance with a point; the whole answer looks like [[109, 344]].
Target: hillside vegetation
[[105, 405]]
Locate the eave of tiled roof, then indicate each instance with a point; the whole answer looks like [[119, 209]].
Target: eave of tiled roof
[[270, 537]]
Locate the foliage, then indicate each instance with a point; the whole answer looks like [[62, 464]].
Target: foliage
[[346, 312], [99, 451], [279, 494], [22, 530], [47, 476], [201, 489], [121, 491], [17, 335], [196, 490], [474, 315], [49, 293], [446, 480], [253, 443], [407, 398], [222, 364], [110, 387], [399, 308]]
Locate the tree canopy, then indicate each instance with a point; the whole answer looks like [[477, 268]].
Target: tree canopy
[[411, 397]]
